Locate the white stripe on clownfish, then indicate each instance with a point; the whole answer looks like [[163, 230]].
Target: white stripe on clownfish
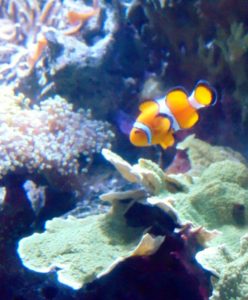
[[193, 102], [165, 111], [145, 129]]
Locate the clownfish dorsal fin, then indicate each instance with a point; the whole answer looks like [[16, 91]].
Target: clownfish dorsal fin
[[147, 105], [203, 94]]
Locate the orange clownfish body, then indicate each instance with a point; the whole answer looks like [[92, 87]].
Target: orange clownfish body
[[159, 119]]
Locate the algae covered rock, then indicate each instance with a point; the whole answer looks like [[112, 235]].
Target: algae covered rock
[[215, 197]]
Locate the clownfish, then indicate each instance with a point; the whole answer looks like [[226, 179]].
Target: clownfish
[[160, 118]]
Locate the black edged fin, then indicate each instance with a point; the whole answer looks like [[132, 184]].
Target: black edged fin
[[210, 88]]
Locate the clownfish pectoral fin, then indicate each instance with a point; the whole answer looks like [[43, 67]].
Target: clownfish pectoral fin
[[203, 95], [167, 141], [147, 105]]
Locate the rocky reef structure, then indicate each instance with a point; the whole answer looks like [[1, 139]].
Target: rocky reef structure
[[108, 56], [213, 194], [61, 47], [25, 27], [145, 233]]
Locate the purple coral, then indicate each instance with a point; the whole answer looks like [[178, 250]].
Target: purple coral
[[48, 137]]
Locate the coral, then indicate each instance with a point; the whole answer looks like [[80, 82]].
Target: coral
[[25, 28], [215, 195], [104, 249], [145, 172], [72, 245], [218, 200], [230, 269], [46, 138], [213, 198], [201, 155], [236, 44]]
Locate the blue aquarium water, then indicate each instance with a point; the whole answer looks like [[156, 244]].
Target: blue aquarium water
[[123, 150]]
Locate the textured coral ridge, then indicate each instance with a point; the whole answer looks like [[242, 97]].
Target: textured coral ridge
[[48, 137]]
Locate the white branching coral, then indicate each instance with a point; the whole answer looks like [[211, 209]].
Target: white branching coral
[[50, 136]]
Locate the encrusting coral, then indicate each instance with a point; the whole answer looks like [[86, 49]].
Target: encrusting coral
[[48, 137]]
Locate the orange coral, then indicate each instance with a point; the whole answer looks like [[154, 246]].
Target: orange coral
[[75, 18], [36, 51], [78, 18]]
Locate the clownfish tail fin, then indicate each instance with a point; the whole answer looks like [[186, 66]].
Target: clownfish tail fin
[[203, 95]]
